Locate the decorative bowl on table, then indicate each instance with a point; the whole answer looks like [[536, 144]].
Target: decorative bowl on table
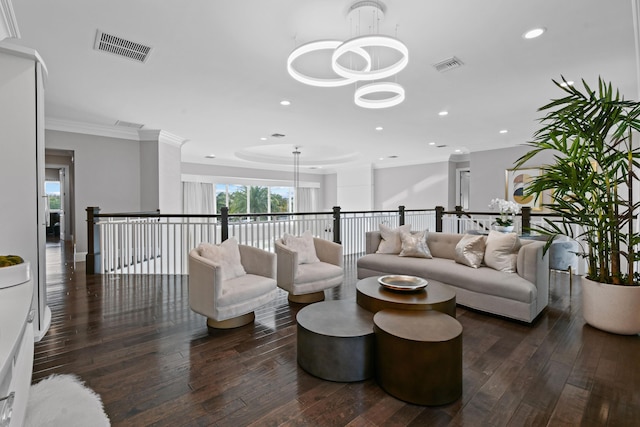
[[403, 283]]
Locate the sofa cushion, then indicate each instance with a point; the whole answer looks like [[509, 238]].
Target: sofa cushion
[[415, 245], [391, 243], [470, 250], [501, 251], [443, 245], [226, 255], [303, 245]]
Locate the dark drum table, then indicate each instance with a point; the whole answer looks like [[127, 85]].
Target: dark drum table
[[436, 296], [419, 355], [336, 341]]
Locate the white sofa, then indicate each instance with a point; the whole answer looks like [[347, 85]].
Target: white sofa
[[521, 295]]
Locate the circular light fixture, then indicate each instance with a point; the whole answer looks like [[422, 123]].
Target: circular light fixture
[[432, 143], [323, 45], [377, 88], [263, 139], [285, 102], [458, 150], [504, 131], [379, 128], [443, 113], [532, 34], [210, 156], [355, 45]]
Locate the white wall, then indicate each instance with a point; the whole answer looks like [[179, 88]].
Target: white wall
[[169, 178], [488, 173], [416, 186], [355, 188], [329, 191], [107, 175], [149, 185]]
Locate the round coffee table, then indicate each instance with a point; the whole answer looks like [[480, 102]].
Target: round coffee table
[[436, 296]]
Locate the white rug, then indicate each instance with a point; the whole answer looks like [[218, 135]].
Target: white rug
[[64, 400]]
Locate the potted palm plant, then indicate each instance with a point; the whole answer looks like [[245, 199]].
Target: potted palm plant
[[593, 180]]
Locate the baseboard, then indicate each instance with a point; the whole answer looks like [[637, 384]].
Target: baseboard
[[80, 256]]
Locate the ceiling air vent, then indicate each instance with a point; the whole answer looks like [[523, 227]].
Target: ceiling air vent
[[448, 64], [277, 135], [122, 123], [121, 47]]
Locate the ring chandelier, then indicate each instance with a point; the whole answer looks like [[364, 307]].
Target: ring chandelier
[[347, 75]]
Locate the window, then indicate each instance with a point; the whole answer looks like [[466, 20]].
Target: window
[[253, 199], [52, 191]]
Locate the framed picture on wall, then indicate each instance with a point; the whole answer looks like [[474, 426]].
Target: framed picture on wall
[[516, 181]]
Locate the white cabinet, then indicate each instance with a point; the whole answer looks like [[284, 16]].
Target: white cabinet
[[16, 342], [22, 217]]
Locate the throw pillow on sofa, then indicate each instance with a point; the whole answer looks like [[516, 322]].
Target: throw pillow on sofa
[[303, 245], [470, 250], [391, 243], [414, 245], [227, 255], [501, 251]]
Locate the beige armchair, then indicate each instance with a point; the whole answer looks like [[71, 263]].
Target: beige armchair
[[230, 303], [306, 283]]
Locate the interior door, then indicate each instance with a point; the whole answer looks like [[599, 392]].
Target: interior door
[[62, 180]]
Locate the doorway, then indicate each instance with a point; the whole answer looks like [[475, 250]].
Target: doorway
[[60, 209], [463, 180]]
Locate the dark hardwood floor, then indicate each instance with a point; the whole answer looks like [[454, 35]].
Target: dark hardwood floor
[[134, 341]]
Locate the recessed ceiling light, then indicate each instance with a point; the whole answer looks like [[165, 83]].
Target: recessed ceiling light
[[504, 131], [210, 156], [432, 143], [443, 113], [285, 102], [458, 150], [567, 83], [532, 34], [379, 128], [263, 138], [381, 158]]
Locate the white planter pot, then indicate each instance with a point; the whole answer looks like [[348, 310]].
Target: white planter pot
[[612, 308], [503, 228]]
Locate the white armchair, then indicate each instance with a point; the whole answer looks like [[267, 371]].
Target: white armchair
[[306, 283], [229, 302]]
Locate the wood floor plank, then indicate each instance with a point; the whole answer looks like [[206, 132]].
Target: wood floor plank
[[134, 340]]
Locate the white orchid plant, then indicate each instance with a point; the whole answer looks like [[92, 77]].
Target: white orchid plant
[[507, 210]]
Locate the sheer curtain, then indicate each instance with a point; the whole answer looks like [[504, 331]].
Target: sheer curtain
[[198, 198], [308, 199]]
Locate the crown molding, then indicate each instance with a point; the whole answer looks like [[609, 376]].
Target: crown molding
[[8, 22], [161, 136], [91, 129]]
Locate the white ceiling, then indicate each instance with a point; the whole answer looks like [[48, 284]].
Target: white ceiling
[[217, 73]]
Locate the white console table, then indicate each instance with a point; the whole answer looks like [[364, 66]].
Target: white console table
[[16, 342]]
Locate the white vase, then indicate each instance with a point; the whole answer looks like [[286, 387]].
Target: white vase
[[503, 228], [611, 308]]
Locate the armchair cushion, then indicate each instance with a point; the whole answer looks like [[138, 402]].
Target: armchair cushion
[[227, 255], [391, 243], [303, 245]]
